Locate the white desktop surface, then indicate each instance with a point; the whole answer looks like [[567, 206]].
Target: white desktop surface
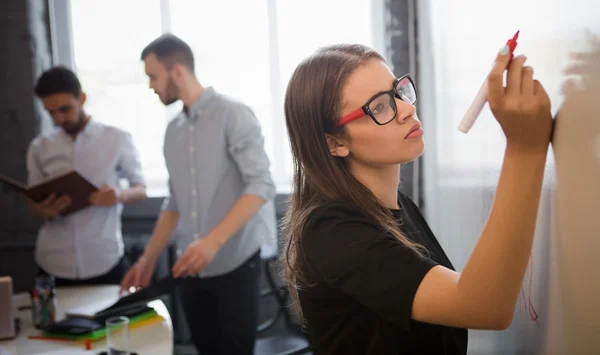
[[150, 339]]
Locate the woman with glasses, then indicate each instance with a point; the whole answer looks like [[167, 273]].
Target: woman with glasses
[[366, 271]]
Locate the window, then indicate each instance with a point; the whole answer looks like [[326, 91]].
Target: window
[[243, 48], [108, 38]]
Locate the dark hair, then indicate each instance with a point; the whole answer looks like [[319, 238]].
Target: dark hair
[[58, 80], [313, 103], [170, 50]]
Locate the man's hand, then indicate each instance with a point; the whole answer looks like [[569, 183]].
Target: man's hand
[[198, 254], [139, 275], [106, 196], [51, 207]]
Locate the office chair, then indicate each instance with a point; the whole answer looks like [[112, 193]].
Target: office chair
[[294, 341]]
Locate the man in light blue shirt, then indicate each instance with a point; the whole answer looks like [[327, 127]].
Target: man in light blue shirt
[[85, 247], [221, 195]]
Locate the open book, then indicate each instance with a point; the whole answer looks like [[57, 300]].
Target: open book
[[70, 183]]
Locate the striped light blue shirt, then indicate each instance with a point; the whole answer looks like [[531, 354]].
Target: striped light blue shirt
[[87, 243], [214, 155]]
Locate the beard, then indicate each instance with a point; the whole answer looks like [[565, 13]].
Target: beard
[[72, 128], [171, 94]]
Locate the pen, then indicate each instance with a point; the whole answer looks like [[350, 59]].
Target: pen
[[481, 97]]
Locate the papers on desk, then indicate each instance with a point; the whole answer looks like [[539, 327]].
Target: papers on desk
[[154, 291], [90, 310], [88, 321]]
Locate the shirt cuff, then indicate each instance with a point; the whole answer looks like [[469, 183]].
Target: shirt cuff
[[265, 191]]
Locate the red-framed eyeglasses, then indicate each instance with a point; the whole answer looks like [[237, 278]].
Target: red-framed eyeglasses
[[382, 107]]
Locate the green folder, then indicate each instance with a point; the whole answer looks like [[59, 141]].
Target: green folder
[[101, 333]]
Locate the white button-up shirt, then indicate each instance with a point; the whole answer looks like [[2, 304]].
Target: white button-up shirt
[[87, 243]]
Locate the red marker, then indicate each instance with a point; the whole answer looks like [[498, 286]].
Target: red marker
[[512, 44], [481, 97]]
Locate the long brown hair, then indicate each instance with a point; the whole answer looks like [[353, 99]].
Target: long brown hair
[[313, 104]]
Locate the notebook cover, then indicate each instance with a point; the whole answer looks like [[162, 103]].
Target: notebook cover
[[154, 291], [70, 183]]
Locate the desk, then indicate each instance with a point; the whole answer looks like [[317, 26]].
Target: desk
[[151, 339]]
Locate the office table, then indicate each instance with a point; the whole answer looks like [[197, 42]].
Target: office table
[[150, 339]]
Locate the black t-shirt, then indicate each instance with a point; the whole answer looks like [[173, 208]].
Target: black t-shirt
[[363, 282]]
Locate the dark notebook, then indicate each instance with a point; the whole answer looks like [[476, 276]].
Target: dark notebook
[[70, 183], [134, 300]]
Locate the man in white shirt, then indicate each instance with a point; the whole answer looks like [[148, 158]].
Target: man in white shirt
[[85, 247]]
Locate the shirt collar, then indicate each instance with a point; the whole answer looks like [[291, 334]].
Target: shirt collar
[[90, 127], [201, 103]]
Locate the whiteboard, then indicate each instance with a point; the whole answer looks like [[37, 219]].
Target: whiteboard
[[558, 310]]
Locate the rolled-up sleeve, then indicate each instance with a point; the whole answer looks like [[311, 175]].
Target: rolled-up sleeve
[[130, 166], [245, 144], [35, 173]]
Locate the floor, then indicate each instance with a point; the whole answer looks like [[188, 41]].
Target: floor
[[188, 349]]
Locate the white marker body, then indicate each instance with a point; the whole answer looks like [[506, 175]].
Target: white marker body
[[475, 109]]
